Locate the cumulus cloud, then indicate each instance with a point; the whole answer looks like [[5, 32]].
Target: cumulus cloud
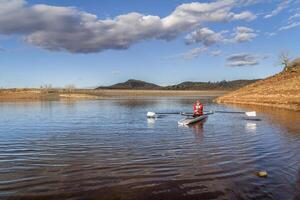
[[280, 7], [244, 59], [69, 29], [244, 34], [194, 53], [246, 15], [208, 37], [205, 36]]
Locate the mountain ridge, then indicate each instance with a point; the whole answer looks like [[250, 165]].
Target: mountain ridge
[[133, 84]]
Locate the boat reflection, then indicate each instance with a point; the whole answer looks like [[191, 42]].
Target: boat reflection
[[151, 122], [285, 118], [251, 127], [197, 128]]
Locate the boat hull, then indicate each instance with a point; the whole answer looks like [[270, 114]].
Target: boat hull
[[192, 120]]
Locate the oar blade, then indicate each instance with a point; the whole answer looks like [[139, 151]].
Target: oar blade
[[151, 115], [251, 114]]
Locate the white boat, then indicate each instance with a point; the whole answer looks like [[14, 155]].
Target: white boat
[[191, 120]]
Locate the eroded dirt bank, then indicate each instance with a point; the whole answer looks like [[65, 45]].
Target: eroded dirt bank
[[281, 90]]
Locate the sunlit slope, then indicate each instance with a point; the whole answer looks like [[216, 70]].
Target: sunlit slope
[[281, 90]]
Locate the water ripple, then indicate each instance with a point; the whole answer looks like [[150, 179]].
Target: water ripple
[[83, 150]]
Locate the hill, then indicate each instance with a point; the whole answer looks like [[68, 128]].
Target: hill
[[133, 84], [281, 90], [222, 85]]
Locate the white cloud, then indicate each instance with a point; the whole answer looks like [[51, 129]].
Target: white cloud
[[249, 2], [280, 7], [246, 15], [69, 29], [295, 16], [293, 22], [244, 59], [289, 26], [116, 72], [205, 36], [215, 53], [243, 29], [194, 53], [209, 37], [244, 34], [271, 34]]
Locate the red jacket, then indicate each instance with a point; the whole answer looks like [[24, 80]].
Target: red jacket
[[198, 109]]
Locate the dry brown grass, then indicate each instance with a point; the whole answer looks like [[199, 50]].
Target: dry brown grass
[[157, 93], [37, 94], [281, 90], [15, 94]]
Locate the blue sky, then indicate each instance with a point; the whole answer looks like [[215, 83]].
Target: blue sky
[[101, 42]]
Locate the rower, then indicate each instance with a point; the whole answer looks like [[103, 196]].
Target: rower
[[198, 109]]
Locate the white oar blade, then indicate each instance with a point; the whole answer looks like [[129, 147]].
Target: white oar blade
[[151, 114], [251, 114]]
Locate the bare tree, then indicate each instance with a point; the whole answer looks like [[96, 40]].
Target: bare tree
[[284, 59], [70, 88], [46, 88]]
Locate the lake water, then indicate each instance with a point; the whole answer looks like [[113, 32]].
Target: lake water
[[107, 149]]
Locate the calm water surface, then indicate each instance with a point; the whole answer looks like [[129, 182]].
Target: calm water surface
[[109, 150]]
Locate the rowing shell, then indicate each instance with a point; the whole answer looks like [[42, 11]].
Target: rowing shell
[[191, 120]]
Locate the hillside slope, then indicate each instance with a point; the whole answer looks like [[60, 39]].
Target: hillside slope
[[133, 84], [222, 85], [281, 90], [188, 85]]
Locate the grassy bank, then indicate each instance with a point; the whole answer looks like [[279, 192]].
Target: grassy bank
[[57, 94], [281, 90]]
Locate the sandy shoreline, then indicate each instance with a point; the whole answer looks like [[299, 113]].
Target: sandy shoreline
[[287, 106], [57, 94]]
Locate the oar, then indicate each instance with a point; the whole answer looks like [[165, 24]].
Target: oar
[[249, 114], [192, 114], [153, 114]]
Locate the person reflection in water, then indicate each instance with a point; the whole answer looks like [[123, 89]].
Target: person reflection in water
[[198, 131], [198, 128]]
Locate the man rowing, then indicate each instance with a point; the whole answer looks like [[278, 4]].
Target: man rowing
[[198, 109]]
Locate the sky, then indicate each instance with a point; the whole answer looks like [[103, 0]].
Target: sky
[[92, 43]]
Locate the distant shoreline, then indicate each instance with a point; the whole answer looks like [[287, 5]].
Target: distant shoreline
[[60, 94]]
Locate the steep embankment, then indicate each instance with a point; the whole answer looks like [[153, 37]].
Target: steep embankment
[[281, 90]]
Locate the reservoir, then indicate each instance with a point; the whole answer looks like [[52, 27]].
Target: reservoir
[[108, 149]]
